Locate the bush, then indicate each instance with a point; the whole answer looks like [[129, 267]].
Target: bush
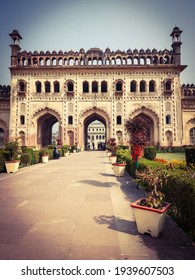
[[35, 157], [123, 156], [180, 192], [150, 152], [190, 155], [25, 159]]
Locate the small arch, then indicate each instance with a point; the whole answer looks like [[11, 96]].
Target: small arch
[[70, 86], [70, 120], [38, 87], [22, 119], [85, 87], [151, 86], [119, 86], [47, 87], [168, 119], [104, 87], [133, 86], [142, 86], [56, 85], [192, 136], [94, 86], [118, 120]]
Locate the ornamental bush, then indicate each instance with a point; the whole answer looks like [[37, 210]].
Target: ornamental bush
[[26, 159], [150, 152], [190, 155]]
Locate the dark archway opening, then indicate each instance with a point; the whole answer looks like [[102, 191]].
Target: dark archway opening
[[94, 132], [44, 129]]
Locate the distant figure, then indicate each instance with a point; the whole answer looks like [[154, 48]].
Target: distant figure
[[93, 146], [56, 153]]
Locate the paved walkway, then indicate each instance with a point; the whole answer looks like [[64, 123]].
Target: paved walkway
[[75, 208]]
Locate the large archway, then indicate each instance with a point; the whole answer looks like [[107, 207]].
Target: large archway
[[89, 116], [43, 122], [44, 129], [153, 123], [95, 119]]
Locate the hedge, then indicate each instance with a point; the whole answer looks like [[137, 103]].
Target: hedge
[[190, 155], [150, 152]]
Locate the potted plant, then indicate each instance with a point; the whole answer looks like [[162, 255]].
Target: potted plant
[[12, 164], [120, 164], [44, 155], [65, 150], [111, 146], [139, 136], [150, 212]]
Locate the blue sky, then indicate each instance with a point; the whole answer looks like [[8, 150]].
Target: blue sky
[[117, 24]]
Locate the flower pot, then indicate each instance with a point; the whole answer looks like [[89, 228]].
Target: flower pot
[[113, 159], [45, 159], [12, 166], [119, 169], [137, 151], [149, 220]]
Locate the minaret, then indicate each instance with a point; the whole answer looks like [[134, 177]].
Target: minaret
[[176, 45], [15, 46]]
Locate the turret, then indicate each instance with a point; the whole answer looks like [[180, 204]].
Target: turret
[[15, 46], [176, 45]]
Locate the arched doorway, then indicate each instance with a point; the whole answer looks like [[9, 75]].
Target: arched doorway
[[94, 132], [44, 129]]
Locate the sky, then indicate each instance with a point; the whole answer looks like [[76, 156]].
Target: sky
[[118, 24]]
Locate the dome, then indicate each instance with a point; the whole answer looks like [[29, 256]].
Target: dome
[[94, 51]]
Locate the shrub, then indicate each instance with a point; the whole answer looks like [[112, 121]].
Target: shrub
[[180, 192], [190, 155], [123, 155], [25, 159], [35, 158], [150, 152]]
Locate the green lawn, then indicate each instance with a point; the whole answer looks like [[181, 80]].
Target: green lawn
[[170, 156]]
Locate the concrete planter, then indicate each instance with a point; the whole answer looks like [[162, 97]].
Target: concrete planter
[[45, 159], [149, 220], [12, 166], [119, 169], [113, 159]]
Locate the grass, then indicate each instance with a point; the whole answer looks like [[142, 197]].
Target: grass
[[171, 156]]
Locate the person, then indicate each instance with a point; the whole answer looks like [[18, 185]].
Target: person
[[56, 153]]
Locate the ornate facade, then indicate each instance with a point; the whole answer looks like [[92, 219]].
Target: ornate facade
[[77, 88]]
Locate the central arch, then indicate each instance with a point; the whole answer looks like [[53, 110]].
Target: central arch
[[90, 115], [88, 121]]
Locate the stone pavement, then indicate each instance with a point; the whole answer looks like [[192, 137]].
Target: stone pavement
[[75, 208]]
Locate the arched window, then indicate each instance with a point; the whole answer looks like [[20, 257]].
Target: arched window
[[56, 87], [47, 87], [118, 120], [70, 86], [133, 86], [22, 119], [119, 86], [192, 136], [142, 86], [151, 86], [21, 86], [1, 136], [104, 86], [38, 87], [168, 119], [168, 85], [85, 87], [70, 120], [94, 86]]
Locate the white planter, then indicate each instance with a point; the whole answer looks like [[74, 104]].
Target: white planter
[[119, 169], [149, 220], [113, 159], [12, 166], [45, 159], [66, 154]]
